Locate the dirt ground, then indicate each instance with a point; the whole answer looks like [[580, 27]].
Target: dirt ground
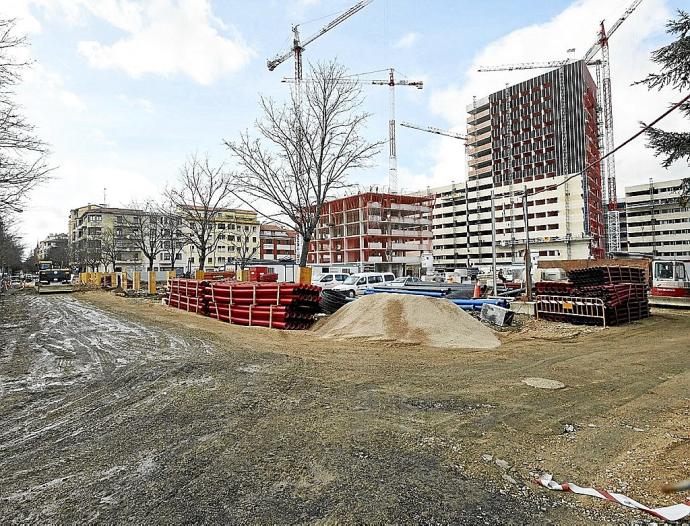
[[123, 410]]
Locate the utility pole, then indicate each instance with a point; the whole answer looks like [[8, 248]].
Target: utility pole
[[493, 241], [651, 200], [528, 256]]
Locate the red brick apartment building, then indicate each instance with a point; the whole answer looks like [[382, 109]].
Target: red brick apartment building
[[277, 242], [373, 231]]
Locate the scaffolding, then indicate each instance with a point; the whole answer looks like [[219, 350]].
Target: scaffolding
[[374, 231]]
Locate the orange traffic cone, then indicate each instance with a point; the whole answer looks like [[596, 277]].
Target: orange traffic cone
[[477, 291]]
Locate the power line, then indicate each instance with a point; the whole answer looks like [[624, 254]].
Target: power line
[[624, 143]]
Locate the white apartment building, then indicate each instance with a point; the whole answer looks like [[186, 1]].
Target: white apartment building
[[52, 241], [530, 137], [235, 238], [657, 223]]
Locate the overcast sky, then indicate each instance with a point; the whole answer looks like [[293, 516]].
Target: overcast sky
[[124, 90]]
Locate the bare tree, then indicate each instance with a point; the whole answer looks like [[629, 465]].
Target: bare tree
[[11, 248], [91, 254], [59, 255], [244, 246], [304, 150], [22, 154], [202, 192], [174, 239], [144, 230], [110, 247]]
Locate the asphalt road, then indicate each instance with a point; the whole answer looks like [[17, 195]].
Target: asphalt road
[[109, 419]]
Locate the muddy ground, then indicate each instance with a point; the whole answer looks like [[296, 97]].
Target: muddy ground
[[122, 410]]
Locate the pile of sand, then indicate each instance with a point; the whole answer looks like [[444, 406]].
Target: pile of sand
[[406, 318]]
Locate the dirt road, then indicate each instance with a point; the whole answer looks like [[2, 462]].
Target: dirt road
[[121, 410]]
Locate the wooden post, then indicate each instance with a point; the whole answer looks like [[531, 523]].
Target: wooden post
[[136, 280], [199, 274], [123, 279], [305, 275], [152, 282]]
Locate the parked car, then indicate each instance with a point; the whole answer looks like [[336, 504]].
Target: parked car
[[358, 283], [404, 281], [330, 279]]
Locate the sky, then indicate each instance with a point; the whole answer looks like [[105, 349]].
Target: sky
[[125, 90]]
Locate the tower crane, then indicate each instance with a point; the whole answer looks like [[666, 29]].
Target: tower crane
[[391, 82], [603, 74], [298, 45], [433, 129], [453, 135]]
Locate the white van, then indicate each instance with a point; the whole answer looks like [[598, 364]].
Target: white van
[[330, 279], [358, 283]]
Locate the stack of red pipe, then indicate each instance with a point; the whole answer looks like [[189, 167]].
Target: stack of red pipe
[[188, 294], [275, 305]]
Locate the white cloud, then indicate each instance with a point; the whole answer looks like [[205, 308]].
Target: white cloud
[[167, 38], [47, 211], [40, 81], [138, 103], [406, 41], [630, 47]]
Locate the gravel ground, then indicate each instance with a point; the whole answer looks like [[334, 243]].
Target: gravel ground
[[119, 410]]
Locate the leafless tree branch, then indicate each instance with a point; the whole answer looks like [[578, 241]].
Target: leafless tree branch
[[303, 151]]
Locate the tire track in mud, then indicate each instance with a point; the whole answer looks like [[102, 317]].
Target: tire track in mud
[[68, 366]]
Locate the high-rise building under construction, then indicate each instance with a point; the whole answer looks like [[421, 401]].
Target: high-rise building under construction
[[540, 137]]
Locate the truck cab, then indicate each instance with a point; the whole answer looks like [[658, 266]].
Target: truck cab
[[670, 283]]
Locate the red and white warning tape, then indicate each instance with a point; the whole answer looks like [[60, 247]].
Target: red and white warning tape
[[669, 513]]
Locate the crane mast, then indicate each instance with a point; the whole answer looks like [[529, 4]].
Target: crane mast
[[392, 154], [391, 82]]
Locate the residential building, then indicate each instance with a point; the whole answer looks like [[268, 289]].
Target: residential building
[[277, 242], [623, 225], [536, 137], [372, 231], [52, 241], [234, 241], [657, 223], [87, 226]]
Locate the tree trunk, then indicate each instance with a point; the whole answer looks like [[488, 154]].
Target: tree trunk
[[202, 259], [303, 253], [151, 263]]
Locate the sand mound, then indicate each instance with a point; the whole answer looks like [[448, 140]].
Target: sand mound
[[408, 319]]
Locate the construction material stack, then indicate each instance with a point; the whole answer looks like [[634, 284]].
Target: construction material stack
[[188, 294], [263, 304], [597, 295]]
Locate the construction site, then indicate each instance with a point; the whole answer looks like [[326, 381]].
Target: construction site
[[510, 348]]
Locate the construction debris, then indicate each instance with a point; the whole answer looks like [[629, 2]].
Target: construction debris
[[668, 513], [408, 319], [496, 315]]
